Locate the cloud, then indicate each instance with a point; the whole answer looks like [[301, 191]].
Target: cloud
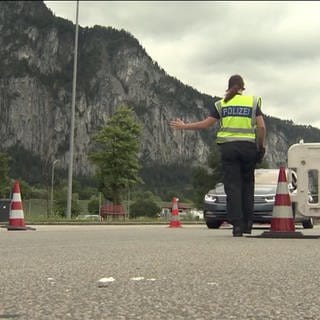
[[272, 44]]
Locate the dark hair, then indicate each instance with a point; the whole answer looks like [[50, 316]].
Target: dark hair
[[235, 84]]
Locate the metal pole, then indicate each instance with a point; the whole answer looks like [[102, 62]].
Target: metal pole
[[69, 197], [52, 181], [128, 202], [100, 203]]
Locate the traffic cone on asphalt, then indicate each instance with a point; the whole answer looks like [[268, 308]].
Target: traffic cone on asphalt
[[16, 216], [282, 221], [175, 219]]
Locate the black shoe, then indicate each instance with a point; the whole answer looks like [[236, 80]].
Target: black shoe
[[237, 232]]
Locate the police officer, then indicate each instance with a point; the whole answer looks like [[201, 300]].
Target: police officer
[[241, 138]]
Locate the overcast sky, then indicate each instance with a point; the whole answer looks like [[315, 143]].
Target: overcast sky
[[274, 45]]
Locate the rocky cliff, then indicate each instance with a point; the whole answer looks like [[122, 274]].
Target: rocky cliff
[[36, 67]]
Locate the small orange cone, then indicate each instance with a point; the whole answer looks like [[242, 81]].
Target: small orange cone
[[16, 216], [282, 222], [175, 220]]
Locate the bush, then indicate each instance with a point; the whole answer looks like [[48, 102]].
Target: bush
[[145, 208], [93, 206], [60, 206]]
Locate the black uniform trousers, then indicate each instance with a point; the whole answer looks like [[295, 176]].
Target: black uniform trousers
[[238, 162]]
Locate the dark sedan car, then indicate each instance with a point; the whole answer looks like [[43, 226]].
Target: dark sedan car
[[266, 181]]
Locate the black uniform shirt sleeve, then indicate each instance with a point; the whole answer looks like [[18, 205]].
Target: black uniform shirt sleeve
[[214, 112]]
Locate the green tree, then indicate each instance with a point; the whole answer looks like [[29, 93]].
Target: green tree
[[205, 178], [215, 164], [145, 205], [93, 206], [263, 165], [202, 182], [5, 184], [60, 201], [60, 205], [116, 157]]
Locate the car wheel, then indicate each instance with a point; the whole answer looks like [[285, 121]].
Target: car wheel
[[214, 224], [308, 224]]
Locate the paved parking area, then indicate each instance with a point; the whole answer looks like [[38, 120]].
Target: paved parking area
[[156, 272]]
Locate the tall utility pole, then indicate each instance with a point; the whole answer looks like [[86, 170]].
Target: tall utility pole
[[52, 182], [69, 198]]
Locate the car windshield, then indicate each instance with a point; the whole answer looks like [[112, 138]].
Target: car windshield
[[266, 181], [271, 176], [266, 177]]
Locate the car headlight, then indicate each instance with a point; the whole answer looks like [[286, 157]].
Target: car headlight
[[269, 199], [210, 197]]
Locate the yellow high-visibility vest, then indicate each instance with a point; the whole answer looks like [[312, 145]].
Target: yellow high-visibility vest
[[237, 118]]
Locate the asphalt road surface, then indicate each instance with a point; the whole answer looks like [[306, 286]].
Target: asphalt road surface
[[156, 272]]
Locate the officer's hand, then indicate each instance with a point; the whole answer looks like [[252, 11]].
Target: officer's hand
[[260, 154], [177, 124]]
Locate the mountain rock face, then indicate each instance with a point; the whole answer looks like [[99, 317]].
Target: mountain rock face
[[36, 69]]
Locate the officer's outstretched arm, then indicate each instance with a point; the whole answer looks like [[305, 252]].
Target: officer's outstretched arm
[[179, 124]]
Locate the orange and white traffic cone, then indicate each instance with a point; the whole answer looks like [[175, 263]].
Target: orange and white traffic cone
[[282, 221], [175, 219], [16, 215]]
